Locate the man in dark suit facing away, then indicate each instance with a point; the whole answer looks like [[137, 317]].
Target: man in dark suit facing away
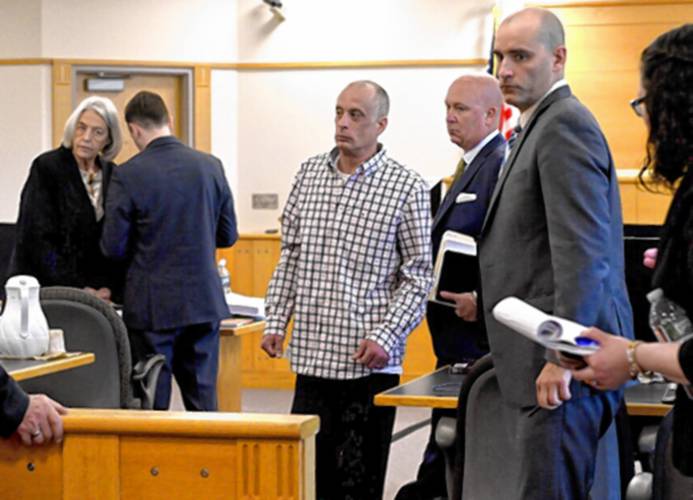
[[553, 237], [168, 210], [473, 106]]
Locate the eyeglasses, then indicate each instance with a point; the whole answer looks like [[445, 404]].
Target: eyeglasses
[[638, 105]]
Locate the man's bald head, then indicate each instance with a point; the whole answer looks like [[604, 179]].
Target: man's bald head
[[380, 99], [473, 106], [531, 56], [548, 29]]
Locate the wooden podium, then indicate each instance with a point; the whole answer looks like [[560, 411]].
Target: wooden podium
[[125, 454]]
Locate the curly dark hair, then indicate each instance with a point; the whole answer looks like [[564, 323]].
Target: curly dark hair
[[667, 76]]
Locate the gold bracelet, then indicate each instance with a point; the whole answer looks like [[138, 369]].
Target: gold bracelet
[[648, 374], [633, 366]]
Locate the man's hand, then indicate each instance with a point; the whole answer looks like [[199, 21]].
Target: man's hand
[[465, 304], [272, 345], [371, 355], [103, 293], [553, 386], [649, 258], [41, 422]]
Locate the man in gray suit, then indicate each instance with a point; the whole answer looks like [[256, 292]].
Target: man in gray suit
[[552, 237]]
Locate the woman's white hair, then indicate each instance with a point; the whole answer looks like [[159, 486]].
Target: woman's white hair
[[105, 108]]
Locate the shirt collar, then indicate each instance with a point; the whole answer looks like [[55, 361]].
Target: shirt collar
[[471, 154], [366, 168], [527, 113]]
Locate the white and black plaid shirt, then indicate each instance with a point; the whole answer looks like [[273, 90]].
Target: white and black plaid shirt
[[355, 264]]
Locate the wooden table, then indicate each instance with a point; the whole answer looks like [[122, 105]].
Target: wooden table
[[229, 377], [23, 369], [440, 389]]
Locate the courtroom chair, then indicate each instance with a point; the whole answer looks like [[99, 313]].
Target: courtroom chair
[[450, 431], [92, 325], [665, 482], [487, 442]]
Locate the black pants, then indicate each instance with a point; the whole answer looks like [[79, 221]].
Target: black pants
[[353, 444]]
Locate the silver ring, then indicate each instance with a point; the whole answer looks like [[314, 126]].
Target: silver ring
[[36, 433]]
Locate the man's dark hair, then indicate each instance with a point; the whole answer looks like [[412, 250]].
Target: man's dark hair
[[147, 109]]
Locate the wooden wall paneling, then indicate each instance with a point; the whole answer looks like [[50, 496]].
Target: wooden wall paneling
[[202, 108], [62, 98], [184, 469], [604, 45], [91, 467], [418, 356], [629, 203], [30, 473]]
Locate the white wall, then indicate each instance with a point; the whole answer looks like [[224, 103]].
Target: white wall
[[25, 128], [152, 30], [20, 28], [264, 123], [225, 123], [287, 116], [332, 30]]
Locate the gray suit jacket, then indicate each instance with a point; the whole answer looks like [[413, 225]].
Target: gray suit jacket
[[553, 236]]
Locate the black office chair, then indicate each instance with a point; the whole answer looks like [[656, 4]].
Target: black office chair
[[92, 325], [450, 431], [480, 442], [666, 482]]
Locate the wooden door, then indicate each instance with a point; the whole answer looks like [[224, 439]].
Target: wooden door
[[169, 87]]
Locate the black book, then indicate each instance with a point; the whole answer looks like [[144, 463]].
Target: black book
[[457, 251]]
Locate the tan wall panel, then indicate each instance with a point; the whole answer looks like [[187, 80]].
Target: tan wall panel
[[202, 112], [180, 467], [30, 473], [96, 459], [169, 87]]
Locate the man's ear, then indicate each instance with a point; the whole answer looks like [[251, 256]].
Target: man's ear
[[382, 124], [560, 55]]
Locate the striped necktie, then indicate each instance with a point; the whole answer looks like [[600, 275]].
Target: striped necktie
[[511, 142], [513, 137]]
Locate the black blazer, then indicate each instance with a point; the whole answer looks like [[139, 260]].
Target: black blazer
[[57, 231], [453, 338], [168, 209], [674, 274], [13, 404]]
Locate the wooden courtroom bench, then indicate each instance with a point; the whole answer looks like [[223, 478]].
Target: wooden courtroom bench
[[123, 454]]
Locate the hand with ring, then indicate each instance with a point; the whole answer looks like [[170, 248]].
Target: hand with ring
[[42, 422]]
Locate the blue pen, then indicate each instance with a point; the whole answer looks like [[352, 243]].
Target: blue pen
[[586, 342]]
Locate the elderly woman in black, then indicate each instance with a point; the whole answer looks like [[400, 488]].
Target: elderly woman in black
[[665, 102], [62, 204]]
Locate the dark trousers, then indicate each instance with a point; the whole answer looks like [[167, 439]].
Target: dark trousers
[[192, 356], [353, 444]]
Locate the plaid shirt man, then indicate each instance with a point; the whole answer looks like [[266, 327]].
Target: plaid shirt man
[[355, 263]]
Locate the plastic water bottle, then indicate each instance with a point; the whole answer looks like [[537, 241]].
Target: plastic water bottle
[[669, 322], [224, 276]]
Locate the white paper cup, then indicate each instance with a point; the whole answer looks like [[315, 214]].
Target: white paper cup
[[56, 341]]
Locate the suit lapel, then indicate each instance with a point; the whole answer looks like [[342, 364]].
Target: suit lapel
[[556, 95], [467, 176]]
